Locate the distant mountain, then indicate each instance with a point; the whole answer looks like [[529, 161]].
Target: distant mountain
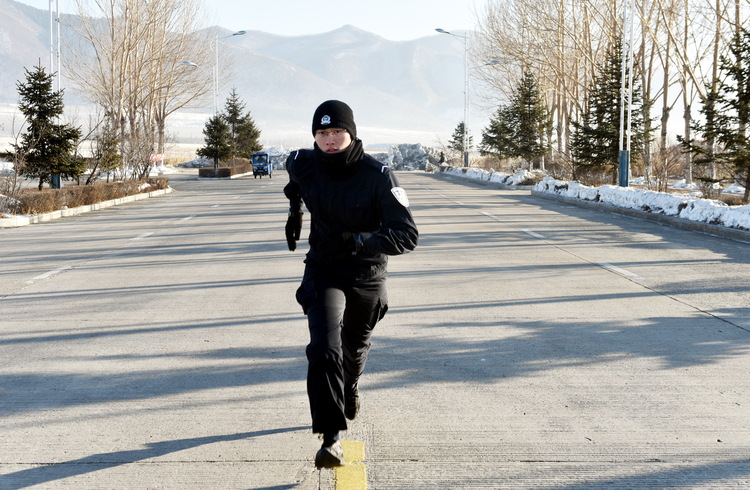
[[401, 92]]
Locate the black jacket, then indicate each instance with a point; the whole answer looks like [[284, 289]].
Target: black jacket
[[363, 198]]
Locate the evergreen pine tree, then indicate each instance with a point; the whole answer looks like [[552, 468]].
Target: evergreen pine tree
[[733, 110], [518, 129], [456, 142], [499, 137], [532, 119], [244, 134], [704, 151], [247, 139], [218, 138], [47, 146], [595, 145]]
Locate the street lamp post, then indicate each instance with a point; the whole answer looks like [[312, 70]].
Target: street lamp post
[[465, 41], [54, 41], [626, 87], [55, 182], [216, 66]]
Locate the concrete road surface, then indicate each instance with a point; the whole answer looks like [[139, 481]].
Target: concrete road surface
[[530, 344]]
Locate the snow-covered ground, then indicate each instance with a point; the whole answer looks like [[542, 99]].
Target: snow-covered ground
[[517, 178], [688, 206]]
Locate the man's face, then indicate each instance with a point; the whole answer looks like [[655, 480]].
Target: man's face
[[333, 140]]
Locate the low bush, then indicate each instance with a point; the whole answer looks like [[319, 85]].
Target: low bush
[[32, 201], [214, 173], [234, 168]]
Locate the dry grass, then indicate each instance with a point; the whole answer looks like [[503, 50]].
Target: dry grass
[[732, 200]]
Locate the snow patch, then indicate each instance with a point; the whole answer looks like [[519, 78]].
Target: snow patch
[[519, 178], [6, 168], [686, 206]]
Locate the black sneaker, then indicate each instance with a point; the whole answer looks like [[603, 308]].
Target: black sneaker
[[330, 456], [351, 402]]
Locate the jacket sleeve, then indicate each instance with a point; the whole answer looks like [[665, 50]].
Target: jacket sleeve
[[292, 190], [398, 233]]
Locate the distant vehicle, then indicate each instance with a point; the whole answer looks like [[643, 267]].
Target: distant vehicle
[[262, 165]]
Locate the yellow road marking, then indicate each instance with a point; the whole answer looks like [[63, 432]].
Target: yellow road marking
[[353, 475]]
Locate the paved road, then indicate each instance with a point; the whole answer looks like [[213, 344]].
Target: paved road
[[529, 344]]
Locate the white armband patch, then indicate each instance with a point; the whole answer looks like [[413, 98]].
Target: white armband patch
[[400, 194]]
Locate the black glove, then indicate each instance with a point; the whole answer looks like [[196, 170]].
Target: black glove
[[353, 242], [293, 229]]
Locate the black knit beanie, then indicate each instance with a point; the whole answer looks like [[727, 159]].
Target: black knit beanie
[[334, 114]]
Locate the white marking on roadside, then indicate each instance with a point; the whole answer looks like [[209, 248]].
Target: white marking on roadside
[[534, 234], [459, 203], [145, 235], [216, 205], [620, 271], [48, 274], [188, 217]]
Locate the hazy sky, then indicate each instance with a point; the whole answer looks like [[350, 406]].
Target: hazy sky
[[396, 20]]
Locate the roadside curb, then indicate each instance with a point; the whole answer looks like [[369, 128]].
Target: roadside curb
[[673, 221], [18, 221]]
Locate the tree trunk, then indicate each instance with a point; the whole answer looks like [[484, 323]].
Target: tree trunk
[[687, 115], [715, 82]]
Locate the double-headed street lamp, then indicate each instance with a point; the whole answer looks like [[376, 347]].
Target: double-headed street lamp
[[216, 66], [465, 40]]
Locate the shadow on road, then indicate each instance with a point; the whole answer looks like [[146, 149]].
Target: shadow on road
[[96, 462]]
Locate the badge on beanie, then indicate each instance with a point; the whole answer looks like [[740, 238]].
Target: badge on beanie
[[325, 120], [400, 194]]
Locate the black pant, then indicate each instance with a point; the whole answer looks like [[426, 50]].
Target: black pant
[[341, 316]]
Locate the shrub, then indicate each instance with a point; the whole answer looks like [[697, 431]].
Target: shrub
[[32, 201], [159, 183], [214, 173], [235, 168], [37, 202]]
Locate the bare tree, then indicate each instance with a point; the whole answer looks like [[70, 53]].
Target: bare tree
[[667, 163], [137, 59], [561, 41], [176, 79], [11, 182]]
